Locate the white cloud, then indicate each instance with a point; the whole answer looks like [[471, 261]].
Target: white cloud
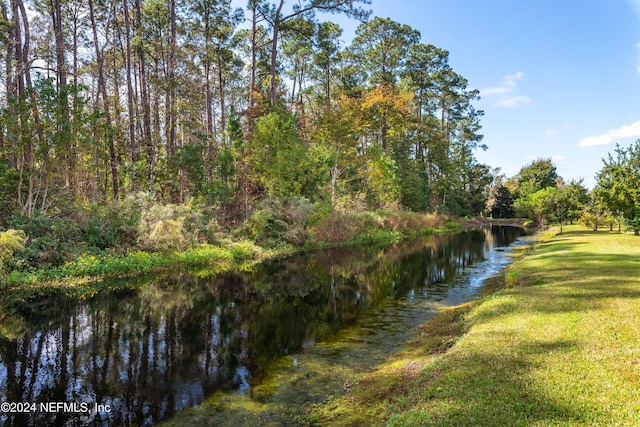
[[514, 101], [559, 159], [627, 131], [510, 79], [553, 132], [498, 90], [505, 91], [509, 83]]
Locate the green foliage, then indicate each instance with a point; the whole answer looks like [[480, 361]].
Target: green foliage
[[167, 234], [381, 46], [110, 225], [499, 201], [541, 195], [557, 205], [226, 168], [578, 198], [618, 186], [234, 132], [279, 221], [184, 173], [362, 227], [111, 264], [51, 239], [414, 186], [466, 196], [172, 227], [594, 217], [277, 155], [11, 241], [335, 148], [8, 191], [382, 180], [535, 176]]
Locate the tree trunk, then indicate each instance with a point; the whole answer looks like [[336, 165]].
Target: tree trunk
[[56, 18], [328, 85], [146, 108], [223, 107], [171, 71], [208, 98], [63, 126], [9, 82], [133, 145], [252, 73], [102, 89], [274, 52], [22, 80]]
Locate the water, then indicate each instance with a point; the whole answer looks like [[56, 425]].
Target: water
[[278, 335]]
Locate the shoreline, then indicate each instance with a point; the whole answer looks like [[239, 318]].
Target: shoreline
[[87, 274], [524, 354]]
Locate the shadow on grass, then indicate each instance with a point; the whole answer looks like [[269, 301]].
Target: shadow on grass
[[562, 292], [486, 389], [493, 379]]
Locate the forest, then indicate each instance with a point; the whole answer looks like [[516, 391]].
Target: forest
[[114, 107], [103, 100], [163, 124]]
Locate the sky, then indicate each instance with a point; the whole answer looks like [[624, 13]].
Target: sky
[[558, 79]]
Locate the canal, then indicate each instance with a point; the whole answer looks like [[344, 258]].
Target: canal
[[260, 343]]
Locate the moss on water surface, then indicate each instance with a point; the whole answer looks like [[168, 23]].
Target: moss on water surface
[[295, 383], [559, 346]]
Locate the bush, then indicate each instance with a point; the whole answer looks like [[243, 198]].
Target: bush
[[174, 227], [51, 240], [412, 222], [364, 226], [280, 221], [157, 220], [167, 234], [351, 203], [114, 225], [336, 228], [11, 241], [9, 178]]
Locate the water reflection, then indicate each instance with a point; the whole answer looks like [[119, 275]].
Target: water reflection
[[146, 354]]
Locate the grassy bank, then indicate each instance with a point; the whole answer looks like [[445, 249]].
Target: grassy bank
[[263, 237], [83, 276], [559, 346]]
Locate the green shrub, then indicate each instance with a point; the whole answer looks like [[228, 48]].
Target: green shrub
[[351, 203], [167, 234], [171, 227], [112, 225], [51, 240], [9, 178], [11, 241], [280, 221]]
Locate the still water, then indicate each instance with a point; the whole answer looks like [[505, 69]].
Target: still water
[[138, 357]]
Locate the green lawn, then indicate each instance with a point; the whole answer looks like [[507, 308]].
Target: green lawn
[[560, 346]]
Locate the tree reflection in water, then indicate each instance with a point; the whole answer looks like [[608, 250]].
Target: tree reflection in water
[[180, 337]]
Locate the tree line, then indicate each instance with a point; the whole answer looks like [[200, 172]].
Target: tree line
[[175, 98], [537, 192]]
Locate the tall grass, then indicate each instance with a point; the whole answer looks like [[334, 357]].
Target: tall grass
[[134, 261]]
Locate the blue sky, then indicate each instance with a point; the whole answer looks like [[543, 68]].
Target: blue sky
[[558, 78]]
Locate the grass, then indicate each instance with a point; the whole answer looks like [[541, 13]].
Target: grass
[[83, 277], [559, 346], [80, 277]]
